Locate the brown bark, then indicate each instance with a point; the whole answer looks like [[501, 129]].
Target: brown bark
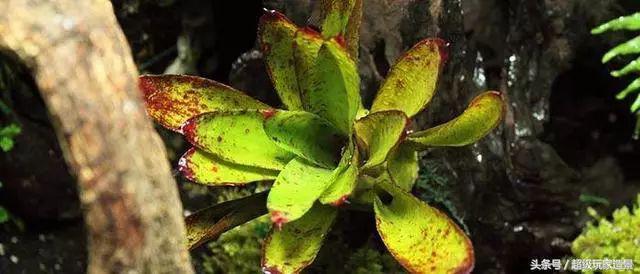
[[83, 67]]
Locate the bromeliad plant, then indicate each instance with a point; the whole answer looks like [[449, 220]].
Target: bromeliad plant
[[323, 148]]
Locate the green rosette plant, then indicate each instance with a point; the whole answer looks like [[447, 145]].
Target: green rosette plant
[[323, 150]]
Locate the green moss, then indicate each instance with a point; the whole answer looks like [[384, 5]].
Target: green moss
[[370, 261], [239, 250], [618, 238]]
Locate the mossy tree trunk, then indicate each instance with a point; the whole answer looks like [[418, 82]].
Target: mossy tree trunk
[[82, 65]]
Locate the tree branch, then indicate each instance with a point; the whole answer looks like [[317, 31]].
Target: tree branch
[[83, 67]]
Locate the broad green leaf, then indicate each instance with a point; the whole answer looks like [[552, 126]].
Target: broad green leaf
[[420, 237], [276, 34], [335, 95], [237, 137], [336, 14], [352, 33], [403, 166], [630, 47], [411, 82], [634, 66], [481, 116], [306, 135], [296, 189], [207, 224], [208, 169], [343, 179], [305, 51], [378, 133], [171, 100], [295, 245], [631, 22]]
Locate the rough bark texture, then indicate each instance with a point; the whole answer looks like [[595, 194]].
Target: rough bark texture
[[82, 65]]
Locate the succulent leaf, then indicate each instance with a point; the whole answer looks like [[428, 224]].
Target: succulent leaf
[[420, 237], [208, 169], [411, 82], [343, 179], [276, 35], [207, 224], [630, 22], [481, 116], [378, 133], [296, 189], [295, 245], [171, 100], [335, 94], [403, 166], [306, 135], [237, 137]]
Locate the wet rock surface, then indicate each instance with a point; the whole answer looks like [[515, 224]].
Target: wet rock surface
[[517, 192]]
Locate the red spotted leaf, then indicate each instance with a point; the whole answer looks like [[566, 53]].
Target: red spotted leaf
[[276, 35], [237, 137], [481, 116], [411, 82], [420, 237], [171, 100], [208, 169]]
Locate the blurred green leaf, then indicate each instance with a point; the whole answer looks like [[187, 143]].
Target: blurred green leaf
[[7, 134], [4, 215], [592, 199]]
